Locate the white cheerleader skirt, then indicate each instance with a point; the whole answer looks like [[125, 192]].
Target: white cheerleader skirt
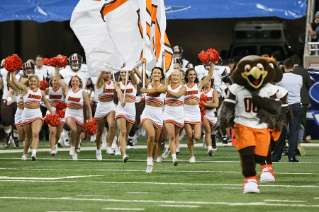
[[154, 114], [174, 115], [192, 114], [18, 117], [128, 112], [77, 115], [103, 109], [30, 115], [62, 121], [211, 116]]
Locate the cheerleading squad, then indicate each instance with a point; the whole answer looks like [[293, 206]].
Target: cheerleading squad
[[171, 104]]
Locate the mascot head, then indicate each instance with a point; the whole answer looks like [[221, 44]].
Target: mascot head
[[253, 71]]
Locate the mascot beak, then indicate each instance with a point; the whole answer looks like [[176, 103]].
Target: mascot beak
[[255, 77]]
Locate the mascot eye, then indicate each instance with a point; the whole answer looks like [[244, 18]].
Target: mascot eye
[[271, 65], [260, 66], [247, 68]]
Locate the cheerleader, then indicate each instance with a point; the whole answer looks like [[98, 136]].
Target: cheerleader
[[191, 107], [20, 106], [152, 116], [174, 110], [125, 114], [74, 117], [31, 118], [210, 118], [56, 95], [105, 110]]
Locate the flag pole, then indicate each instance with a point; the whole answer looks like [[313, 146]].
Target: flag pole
[[143, 20], [164, 66]]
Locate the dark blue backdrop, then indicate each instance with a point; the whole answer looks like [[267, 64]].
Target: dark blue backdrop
[[313, 111], [61, 10]]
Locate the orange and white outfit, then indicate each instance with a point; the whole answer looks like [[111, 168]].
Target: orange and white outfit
[[128, 111], [104, 108], [30, 115], [56, 96], [75, 99], [174, 115], [248, 130], [210, 114], [192, 112], [154, 114]]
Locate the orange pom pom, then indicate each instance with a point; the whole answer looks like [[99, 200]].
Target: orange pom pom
[[90, 127], [60, 105], [211, 55], [43, 85], [13, 63], [53, 120]]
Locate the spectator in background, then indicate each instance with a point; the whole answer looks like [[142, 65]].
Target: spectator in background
[[39, 67], [312, 27], [236, 60], [304, 90], [293, 83]]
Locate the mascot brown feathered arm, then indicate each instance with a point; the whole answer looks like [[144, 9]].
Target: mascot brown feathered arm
[[226, 112], [271, 105]]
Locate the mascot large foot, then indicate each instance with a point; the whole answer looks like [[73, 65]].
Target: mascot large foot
[[251, 185]]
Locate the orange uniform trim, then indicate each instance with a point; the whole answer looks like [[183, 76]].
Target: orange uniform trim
[[155, 125], [174, 122], [108, 7], [247, 136], [127, 119]]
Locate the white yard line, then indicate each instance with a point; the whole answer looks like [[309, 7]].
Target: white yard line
[[161, 183], [181, 206], [166, 202], [136, 160], [45, 178], [124, 209], [64, 149], [277, 200], [142, 170]]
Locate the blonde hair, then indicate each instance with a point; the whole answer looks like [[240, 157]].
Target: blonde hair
[[168, 80], [26, 83]]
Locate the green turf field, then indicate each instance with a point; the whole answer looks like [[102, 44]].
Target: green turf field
[[211, 184]]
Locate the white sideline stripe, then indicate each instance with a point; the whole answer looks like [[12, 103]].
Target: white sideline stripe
[[131, 170], [64, 211], [46, 178], [277, 200], [124, 209], [181, 206], [164, 201], [156, 183], [65, 149], [316, 197], [136, 160]]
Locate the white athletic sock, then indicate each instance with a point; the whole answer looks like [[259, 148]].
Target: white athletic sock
[[34, 151], [209, 147], [8, 131], [65, 131], [174, 156], [15, 135], [98, 151], [72, 148]]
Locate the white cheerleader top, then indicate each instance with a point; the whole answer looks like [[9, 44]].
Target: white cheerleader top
[[75, 98], [171, 99], [210, 97], [130, 90], [106, 91], [154, 97], [32, 97], [192, 93], [19, 100], [55, 96]]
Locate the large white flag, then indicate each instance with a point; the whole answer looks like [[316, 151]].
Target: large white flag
[[92, 33]]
